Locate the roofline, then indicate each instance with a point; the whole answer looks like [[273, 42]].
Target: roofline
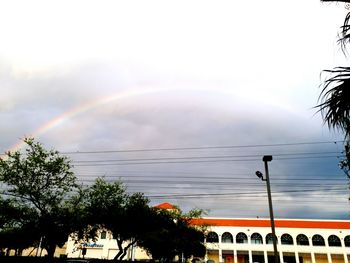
[[280, 223], [276, 219], [166, 206]]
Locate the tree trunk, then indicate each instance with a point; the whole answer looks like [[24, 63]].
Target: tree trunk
[[122, 251], [120, 246], [50, 251], [125, 250]]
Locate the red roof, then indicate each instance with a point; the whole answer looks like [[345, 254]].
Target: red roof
[[266, 223], [165, 206]]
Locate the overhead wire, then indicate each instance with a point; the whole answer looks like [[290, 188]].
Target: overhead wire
[[201, 147], [197, 161], [234, 187], [200, 157]]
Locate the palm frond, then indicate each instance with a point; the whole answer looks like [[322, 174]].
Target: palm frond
[[344, 39], [335, 100]]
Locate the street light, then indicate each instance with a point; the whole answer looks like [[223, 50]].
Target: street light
[[266, 159]]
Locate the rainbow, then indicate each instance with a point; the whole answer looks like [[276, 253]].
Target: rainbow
[[132, 92], [60, 119]]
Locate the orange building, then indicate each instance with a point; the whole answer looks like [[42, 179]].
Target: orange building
[[237, 240], [299, 241]]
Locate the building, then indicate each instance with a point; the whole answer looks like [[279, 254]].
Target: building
[[237, 240], [105, 247], [300, 241]]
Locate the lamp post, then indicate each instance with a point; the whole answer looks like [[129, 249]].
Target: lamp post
[[266, 159]]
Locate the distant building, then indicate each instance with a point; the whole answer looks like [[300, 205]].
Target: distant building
[[299, 241], [105, 247], [233, 240], [166, 206]]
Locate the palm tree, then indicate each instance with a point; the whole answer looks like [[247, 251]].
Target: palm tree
[[334, 97], [334, 100]]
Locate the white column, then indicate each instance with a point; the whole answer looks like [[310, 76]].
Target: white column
[[295, 245], [265, 256], [220, 250], [250, 250], [344, 251], [235, 260], [250, 256], [220, 255], [281, 255], [313, 257], [313, 260], [329, 257], [328, 251]]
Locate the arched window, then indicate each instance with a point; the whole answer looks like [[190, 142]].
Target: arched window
[[334, 241], [286, 239], [302, 240], [103, 234], [227, 238], [347, 241], [212, 237], [269, 239], [318, 240], [241, 238], [256, 238]]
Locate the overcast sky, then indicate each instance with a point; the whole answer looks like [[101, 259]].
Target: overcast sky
[[101, 76]]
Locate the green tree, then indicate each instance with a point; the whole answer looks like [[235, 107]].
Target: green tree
[[14, 226], [131, 221], [39, 186], [173, 235], [108, 206], [334, 97]]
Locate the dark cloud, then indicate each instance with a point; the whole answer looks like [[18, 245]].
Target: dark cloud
[[210, 82]]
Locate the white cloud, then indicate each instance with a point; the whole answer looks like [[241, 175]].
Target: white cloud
[[197, 73]]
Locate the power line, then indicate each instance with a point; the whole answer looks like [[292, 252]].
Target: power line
[[200, 147], [204, 175], [146, 179], [239, 193], [198, 161], [199, 157]]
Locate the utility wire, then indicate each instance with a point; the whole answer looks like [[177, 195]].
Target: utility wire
[[227, 194], [201, 147], [81, 177], [199, 157], [197, 161]]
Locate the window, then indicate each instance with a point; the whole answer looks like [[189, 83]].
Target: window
[[286, 239], [103, 235], [269, 239], [241, 238], [318, 240], [226, 238], [347, 241], [334, 241], [256, 238], [302, 240], [212, 237]]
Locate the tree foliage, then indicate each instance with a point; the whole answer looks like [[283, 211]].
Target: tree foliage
[[174, 236], [108, 206], [40, 201], [131, 221], [334, 103], [37, 184], [16, 225]]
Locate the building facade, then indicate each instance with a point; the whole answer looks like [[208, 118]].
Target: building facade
[[299, 241], [231, 240], [105, 247]]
